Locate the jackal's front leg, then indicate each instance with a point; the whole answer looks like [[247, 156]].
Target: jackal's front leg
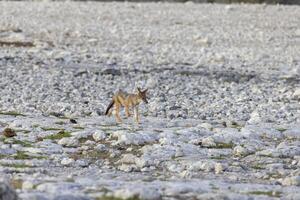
[[136, 113], [117, 113], [127, 111]]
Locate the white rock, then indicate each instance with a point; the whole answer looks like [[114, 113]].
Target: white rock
[[219, 168], [140, 192], [99, 135], [240, 151], [229, 7], [255, 118], [125, 193], [128, 159], [139, 138], [67, 161], [69, 142], [142, 162], [297, 93], [127, 168], [82, 134], [207, 126], [202, 166], [208, 142], [82, 163], [175, 168], [101, 148], [27, 185]]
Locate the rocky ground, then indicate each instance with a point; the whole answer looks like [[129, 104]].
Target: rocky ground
[[224, 100]]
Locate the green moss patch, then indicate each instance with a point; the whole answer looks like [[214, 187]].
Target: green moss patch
[[15, 165], [51, 129], [21, 155], [23, 143], [266, 193], [281, 129], [60, 122], [78, 127], [222, 145], [12, 113], [220, 157], [59, 135]]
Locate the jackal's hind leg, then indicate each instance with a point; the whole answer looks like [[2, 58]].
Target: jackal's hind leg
[[109, 112], [117, 113]]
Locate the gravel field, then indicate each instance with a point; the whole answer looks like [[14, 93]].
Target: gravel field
[[224, 100]]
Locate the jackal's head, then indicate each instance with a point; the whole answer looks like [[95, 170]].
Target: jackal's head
[[142, 94]]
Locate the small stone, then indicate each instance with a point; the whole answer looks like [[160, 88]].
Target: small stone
[[206, 126], [240, 151], [128, 159], [67, 161], [296, 94], [229, 7], [207, 166], [69, 142], [141, 162], [127, 168], [27, 185], [82, 163], [219, 168], [255, 118], [101, 148], [208, 142], [129, 149], [85, 148], [99, 135], [185, 174], [8, 132]]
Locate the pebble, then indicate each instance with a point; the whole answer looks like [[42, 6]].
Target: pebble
[[67, 161], [99, 135]]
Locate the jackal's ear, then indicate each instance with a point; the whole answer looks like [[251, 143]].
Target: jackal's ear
[[139, 89], [145, 90]]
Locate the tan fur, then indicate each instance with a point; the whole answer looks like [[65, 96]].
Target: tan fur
[[123, 99]]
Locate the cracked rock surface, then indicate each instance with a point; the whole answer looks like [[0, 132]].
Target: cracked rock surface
[[224, 100]]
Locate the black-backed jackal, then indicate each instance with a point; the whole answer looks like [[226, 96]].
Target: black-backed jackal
[[127, 101]]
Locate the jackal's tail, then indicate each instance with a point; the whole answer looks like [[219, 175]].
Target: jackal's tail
[[109, 107]]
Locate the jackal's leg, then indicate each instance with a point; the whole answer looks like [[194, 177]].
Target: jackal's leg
[[109, 112], [136, 113], [117, 115], [127, 111]]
